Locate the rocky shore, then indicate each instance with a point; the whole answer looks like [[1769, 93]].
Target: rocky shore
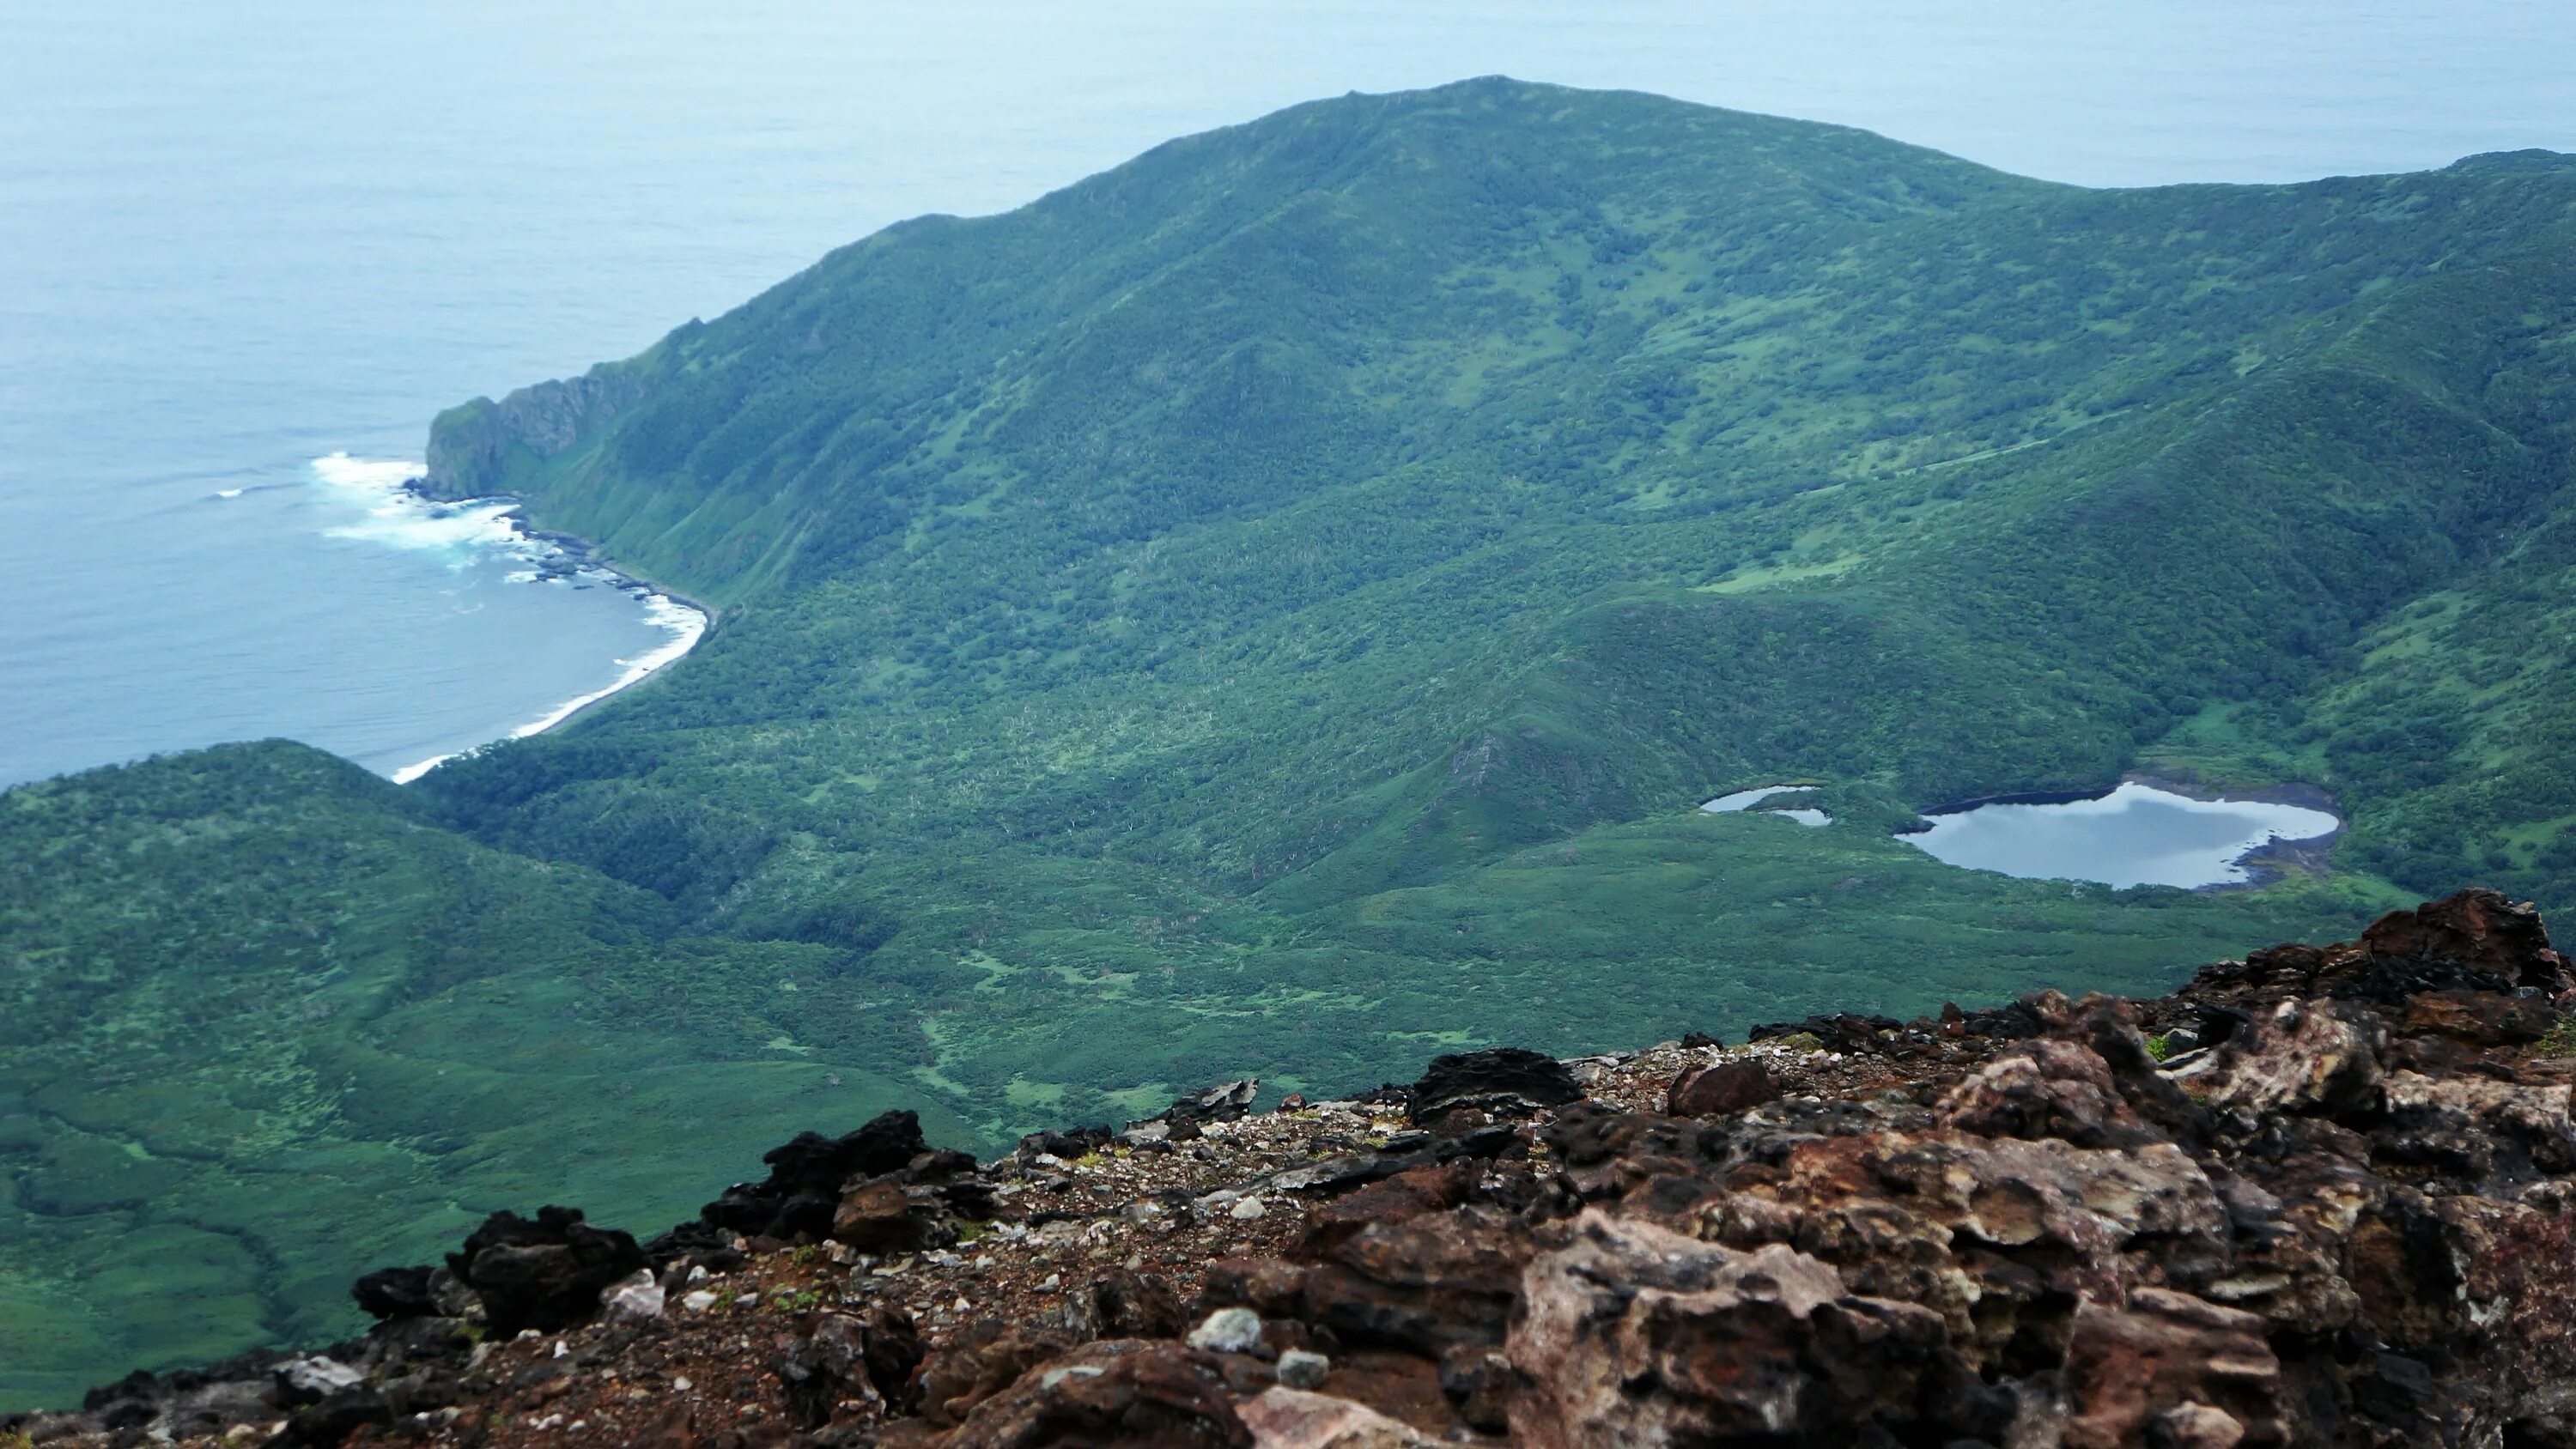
[[2319, 1196]]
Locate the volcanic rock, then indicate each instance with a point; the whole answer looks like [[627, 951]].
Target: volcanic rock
[[1188, 1116], [396, 1293], [1720, 1088], [806, 1175], [1115, 1392], [1504, 1081], [2346, 1218], [543, 1274]]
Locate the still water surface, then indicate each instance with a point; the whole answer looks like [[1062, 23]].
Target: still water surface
[[241, 240], [2136, 835]]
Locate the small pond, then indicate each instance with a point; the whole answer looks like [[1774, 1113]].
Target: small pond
[[2135, 835], [1743, 800]]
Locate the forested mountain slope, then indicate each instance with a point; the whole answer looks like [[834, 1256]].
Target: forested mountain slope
[[1272, 607], [1337, 501], [262, 1021]]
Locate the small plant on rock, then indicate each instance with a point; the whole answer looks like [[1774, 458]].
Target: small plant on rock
[[2560, 1041]]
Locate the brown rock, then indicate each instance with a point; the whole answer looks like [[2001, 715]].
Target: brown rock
[[1998, 1235], [2479, 1018], [2476, 939], [2478, 930], [1719, 1088], [1635, 1335], [2042, 1089], [2170, 1362], [1403, 1386], [1114, 1393], [885, 1216], [987, 1357], [1290, 1419], [2302, 1057], [1423, 1285], [1400, 1198]]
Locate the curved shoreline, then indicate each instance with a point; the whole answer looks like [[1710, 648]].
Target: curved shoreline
[[2267, 863], [575, 557]]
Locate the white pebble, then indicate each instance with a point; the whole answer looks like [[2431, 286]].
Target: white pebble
[[1228, 1330]]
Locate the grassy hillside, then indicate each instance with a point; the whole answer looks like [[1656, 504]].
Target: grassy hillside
[[265, 1028], [1272, 608]]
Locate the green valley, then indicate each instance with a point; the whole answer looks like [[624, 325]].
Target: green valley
[[1273, 608]]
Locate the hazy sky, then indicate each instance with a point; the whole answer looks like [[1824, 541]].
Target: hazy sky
[[736, 141], [240, 235]]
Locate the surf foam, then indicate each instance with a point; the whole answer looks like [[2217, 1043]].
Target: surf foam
[[399, 517]]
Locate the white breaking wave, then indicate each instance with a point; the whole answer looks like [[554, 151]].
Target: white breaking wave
[[401, 518], [228, 493]]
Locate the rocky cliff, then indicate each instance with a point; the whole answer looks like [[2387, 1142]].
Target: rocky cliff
[[473, 447], [2319, 1196]]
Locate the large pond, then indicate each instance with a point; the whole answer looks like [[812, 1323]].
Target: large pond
[[2135, 835]]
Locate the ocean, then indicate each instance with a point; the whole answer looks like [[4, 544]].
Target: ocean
[[247, 251]]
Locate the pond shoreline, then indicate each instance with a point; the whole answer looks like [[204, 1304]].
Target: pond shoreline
[[2275, 860], [2268, 863]]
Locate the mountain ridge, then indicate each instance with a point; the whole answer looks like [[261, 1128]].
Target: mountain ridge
[[1273, 609]]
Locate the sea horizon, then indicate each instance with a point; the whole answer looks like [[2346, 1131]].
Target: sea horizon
[[246, 248]]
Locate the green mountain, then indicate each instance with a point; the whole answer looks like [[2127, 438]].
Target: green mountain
[[265, 1024], [1272, 608]]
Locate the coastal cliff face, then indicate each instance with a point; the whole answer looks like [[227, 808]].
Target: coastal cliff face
[[476, 449], [2319, 1196]]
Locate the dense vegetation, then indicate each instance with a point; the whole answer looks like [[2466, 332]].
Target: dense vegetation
[[1271, 608]]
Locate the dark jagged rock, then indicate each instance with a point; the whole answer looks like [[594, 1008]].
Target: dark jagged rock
[[542, 1273], [851, 1365], [396, 1293], [1187, 1117], [1121, 1304], [2475, 940], [696, 1241], [1069, 1145], [1341, 1174], [2013, 1022], [806, 1177], [1504, 1081], [1841, 1031]]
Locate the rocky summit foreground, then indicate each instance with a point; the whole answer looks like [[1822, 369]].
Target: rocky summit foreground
[[2320, 1196]]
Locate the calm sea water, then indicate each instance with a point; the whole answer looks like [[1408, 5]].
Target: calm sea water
[[235, 240]]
